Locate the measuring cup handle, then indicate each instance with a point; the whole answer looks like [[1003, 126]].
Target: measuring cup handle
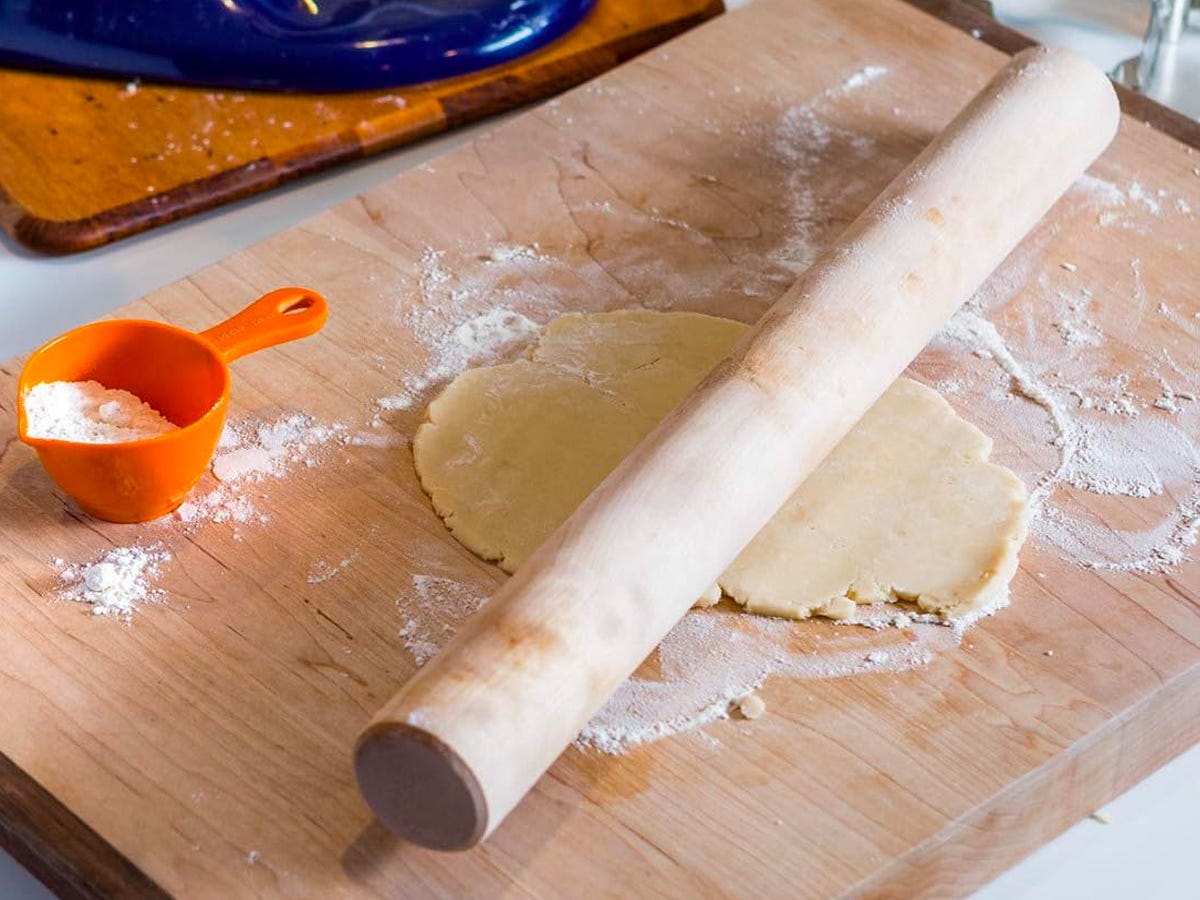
[[282, 315]]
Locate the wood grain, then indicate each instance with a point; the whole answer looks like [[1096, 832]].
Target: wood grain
[[220, 723], [85, 161]]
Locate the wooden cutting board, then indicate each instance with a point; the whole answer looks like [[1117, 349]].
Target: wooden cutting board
[[204, 748], [86, 161]]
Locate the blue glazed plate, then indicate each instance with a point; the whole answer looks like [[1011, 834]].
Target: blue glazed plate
[[303, 45]]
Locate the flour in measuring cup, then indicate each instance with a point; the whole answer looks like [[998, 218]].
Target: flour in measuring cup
[[89, 412]]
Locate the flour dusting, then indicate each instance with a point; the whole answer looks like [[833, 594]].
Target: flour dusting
[[1140, 195], [453, 346], [711, 659], [249, 452], [805, 140], [323, 570], [431, 609], [1113, 433], [863, 77], [1132, 459]]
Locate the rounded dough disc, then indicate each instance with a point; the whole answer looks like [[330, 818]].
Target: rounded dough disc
[[906, 507]]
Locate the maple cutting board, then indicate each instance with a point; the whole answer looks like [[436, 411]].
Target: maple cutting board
[[86, 161], [203, 750]]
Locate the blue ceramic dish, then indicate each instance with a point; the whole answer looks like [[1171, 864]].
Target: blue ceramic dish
[[302, 45]]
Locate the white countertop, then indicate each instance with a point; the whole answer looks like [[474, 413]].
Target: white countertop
[[1144, 851]]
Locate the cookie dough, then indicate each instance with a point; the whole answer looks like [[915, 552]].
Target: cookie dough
[[906, 508]]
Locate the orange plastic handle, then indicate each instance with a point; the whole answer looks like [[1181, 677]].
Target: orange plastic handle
[[275, 318]]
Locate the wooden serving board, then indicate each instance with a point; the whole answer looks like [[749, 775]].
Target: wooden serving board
[[203, 750], [87, 161]]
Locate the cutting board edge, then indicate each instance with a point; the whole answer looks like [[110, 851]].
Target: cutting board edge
[[61, 850], [1061, 792]]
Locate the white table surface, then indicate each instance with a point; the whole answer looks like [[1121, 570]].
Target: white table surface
[[1146, 850]]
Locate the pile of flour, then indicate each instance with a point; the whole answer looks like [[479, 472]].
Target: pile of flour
[[88, 412], [116, 583]]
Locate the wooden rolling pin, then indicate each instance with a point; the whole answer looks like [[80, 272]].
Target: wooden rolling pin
[[453, 752]]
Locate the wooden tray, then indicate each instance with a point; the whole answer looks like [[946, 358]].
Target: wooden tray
[[85, 161], [204, 750]]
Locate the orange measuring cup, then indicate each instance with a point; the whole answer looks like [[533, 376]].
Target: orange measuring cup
[[182, 374]]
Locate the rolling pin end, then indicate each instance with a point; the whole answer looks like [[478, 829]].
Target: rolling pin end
[[419, 787]]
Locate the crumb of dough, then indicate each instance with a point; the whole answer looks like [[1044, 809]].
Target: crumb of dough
[[751, 706], [867, 590], [711, 597], [839, 608]]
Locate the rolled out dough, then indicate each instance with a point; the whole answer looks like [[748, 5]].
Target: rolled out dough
[[906, 507]]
